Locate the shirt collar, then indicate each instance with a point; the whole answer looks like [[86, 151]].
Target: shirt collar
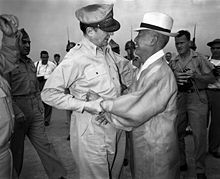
[[150, 60], [93, 48], [25, 59]]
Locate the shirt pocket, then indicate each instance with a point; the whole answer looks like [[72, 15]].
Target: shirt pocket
[[18, 70], [97, 72], [33, 68]]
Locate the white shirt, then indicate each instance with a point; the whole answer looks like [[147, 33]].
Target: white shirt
[[150, 60], [215, 85], [44, 70]]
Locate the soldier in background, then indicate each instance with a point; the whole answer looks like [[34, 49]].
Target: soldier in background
[[193, 73], [130, 47], [214, 100], [29, 111]]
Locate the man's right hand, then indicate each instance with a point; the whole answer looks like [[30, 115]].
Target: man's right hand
[[9, 24]]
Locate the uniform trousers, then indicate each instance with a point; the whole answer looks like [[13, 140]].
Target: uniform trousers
[[96, 154], [214, 129], [47, 108], [33, 127], [192, 110]]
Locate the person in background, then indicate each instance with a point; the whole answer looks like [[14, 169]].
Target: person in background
[[56, 60], [130, 48], [8, 56], [214, 100], [44, 69], [29, 111], [168, 57], [149, 109], [193, 72], [98, 150]]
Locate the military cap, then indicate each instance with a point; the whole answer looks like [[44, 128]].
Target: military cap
[[216, 41], [99, 16]]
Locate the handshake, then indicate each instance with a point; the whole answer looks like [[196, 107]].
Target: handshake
[[93, 105]]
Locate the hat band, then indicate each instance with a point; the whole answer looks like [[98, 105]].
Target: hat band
[[149, 26]]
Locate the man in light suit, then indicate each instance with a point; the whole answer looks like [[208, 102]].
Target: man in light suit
[[150, 107]]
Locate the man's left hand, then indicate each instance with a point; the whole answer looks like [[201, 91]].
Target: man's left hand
[[101, 119]]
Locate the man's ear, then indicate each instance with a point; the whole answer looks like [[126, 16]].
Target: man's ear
[[154, 39]]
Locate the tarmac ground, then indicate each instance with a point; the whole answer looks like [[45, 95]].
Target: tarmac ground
[[57, 133]]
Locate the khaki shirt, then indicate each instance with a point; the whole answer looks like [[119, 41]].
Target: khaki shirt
[[22, 79], [84, 68], [197, 63]]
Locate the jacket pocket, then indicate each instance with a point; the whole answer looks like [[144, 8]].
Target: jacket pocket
[[95, 72]]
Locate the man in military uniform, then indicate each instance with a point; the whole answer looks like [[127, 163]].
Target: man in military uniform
[[98, 150], [129, 48], [28, 109], [193, 72]]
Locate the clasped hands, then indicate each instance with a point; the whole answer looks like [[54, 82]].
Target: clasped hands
[[93, 106], [184, 77]]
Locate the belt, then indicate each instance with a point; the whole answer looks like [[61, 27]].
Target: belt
[[214, 89], [27, 95], [192, 90]]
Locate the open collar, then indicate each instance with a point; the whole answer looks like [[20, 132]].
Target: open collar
[[150, 60]]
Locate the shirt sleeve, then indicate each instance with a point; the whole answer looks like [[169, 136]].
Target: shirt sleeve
[[206, 65], [63, 76], [140, 106]]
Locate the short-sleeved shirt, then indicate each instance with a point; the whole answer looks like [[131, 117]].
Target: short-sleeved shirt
[[44, 70], [196, 62]]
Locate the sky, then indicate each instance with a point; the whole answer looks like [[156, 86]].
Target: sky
[[49, 22]]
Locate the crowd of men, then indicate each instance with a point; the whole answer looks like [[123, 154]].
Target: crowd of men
[[139, 104]]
